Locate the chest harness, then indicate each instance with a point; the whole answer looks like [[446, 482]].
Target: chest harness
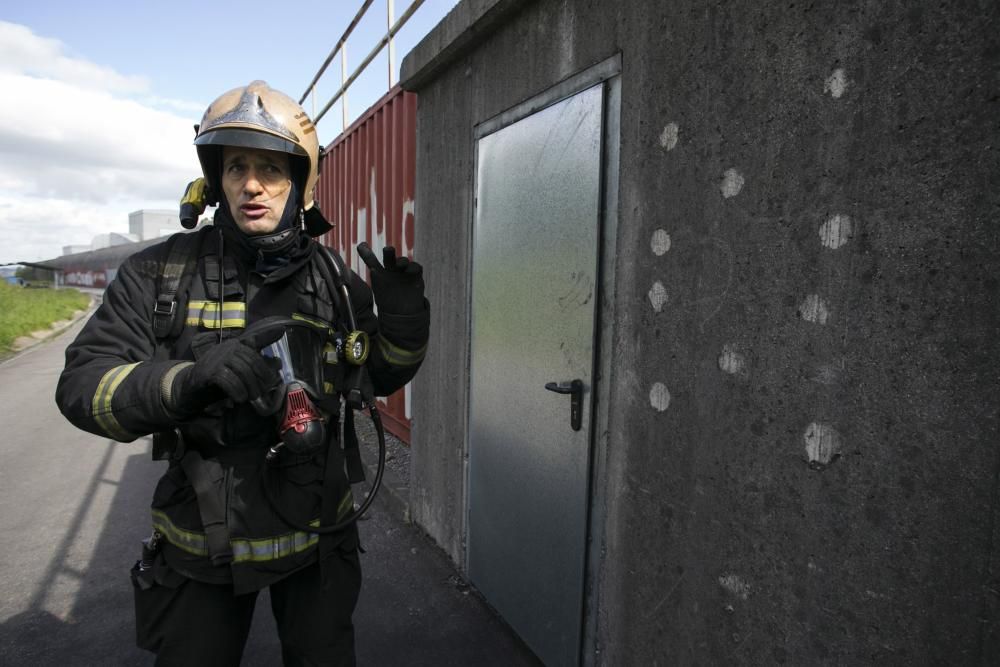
[[302, 427]]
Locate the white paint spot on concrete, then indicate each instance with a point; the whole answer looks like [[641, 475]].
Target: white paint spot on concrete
[[731, 361], [735, 586], [828, 374], [814, 309], [823, 444], [659, 397], [658, 296], [668, 138], [837, 231], [836, 83], [732, 183], [660, 243]]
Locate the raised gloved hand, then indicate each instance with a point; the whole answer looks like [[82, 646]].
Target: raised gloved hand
[[398, 286], [234, 369]]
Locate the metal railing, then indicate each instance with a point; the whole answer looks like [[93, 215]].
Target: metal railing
[[345, 81]]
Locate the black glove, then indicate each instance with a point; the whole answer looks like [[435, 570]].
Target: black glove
[[399, 285], [234, 369]]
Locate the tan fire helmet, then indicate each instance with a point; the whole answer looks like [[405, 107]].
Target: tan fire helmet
[[258, 116]]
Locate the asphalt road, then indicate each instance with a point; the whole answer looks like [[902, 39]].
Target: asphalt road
[[74, 507]]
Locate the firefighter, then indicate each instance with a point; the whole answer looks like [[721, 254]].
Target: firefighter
[[175, 351]]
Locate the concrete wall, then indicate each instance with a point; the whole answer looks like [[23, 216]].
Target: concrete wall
[[803, 455]]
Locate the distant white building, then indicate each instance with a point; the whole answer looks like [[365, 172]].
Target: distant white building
[[153, 223], [143, 225], [111, 239]]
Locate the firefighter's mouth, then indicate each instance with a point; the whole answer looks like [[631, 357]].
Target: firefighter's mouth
[[254, 210]]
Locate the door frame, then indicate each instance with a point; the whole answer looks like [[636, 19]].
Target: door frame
[[607, 72]]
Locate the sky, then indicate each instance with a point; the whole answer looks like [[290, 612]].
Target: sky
[[100, 98]]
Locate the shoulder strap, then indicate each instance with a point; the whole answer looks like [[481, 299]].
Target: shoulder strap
[[181, 260]]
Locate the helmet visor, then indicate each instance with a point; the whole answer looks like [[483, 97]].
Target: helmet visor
[[249, 139]]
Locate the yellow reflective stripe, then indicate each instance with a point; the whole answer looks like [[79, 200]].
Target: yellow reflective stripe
[[319, 324], [328, 388], [187, 540], [346, 504], [100, 406], [247, 550], [244, 549], [398, 356], [206, 314]]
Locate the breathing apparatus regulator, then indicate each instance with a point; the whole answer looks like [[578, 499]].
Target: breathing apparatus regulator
[[302, 350]]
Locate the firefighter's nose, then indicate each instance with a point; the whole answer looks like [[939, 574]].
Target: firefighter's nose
[[252, 185]]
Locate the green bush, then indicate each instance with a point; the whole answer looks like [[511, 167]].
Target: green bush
[[25, 310]]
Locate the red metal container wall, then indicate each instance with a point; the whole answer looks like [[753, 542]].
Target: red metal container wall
[[365, 190]]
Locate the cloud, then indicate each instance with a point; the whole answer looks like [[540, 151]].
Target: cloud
[[171, 103], [37, 228], [66, 141], [77, 151], [24, 52]]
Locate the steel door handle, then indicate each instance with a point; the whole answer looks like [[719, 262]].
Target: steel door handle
[[575, 391]]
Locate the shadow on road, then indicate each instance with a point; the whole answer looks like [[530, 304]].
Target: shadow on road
[[75, 508], [414, 610], [99, 627]]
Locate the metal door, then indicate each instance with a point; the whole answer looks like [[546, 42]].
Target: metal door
[[534, 283]]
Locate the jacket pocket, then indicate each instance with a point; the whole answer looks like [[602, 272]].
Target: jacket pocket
[[155, 589]]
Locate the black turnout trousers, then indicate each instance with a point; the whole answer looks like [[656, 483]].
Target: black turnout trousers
[[189, 623]]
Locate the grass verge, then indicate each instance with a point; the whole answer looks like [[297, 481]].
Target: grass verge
[[25, 310]]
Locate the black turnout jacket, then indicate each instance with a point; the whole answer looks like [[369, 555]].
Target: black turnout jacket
[[117, 371]]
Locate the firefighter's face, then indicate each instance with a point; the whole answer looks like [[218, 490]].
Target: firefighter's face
[[257, 184]]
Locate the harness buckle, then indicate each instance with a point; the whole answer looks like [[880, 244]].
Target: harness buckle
[[165, 308], [163, 316]]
